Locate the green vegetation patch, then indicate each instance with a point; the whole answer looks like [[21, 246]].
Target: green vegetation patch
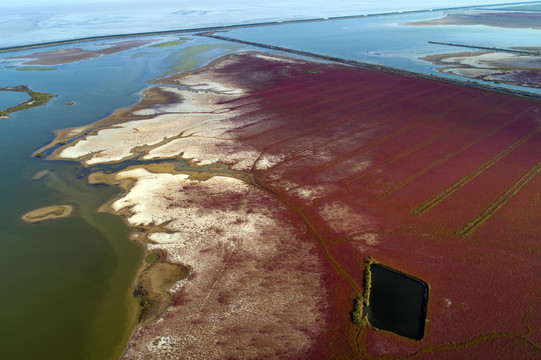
[[152, 258], [180, 41], [36, 99], [190, 57], [36, 68]]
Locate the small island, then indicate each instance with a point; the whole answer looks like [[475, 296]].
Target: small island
[[36, 99], [514, 66], [48, 213]]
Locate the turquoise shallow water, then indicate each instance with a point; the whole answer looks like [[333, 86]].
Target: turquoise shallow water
[[66, 284]]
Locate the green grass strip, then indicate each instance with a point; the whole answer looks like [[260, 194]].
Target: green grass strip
[[172, 43], [447, 157], [508, 194], [427, 205], [35, 68]]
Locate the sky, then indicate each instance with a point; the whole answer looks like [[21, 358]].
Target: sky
[[24, 22]]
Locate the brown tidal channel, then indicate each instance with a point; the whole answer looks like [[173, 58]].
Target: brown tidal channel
[[397, 302]]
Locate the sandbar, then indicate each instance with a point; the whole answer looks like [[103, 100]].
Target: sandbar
[[48, 213], [504, 19], [66, 56], [496, 66]]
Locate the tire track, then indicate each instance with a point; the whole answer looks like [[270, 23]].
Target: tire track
[[428, 205]]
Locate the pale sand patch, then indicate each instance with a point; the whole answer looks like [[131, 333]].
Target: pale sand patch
[[279, 181], [191, 102], [75, 131], [369, 239], [342, 218], [168, 131], [118, 142], [48, 213], [204, 151], [482, 60], [278, 58], [496, 60], [467, 72], [153, 97], [487, 59], [216, 87], [206, 83], [365, 242], [309, 193], [266, 161], [147, 198], [254, 290]]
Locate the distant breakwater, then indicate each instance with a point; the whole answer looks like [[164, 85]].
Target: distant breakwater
[[384, 68], [512, 51]]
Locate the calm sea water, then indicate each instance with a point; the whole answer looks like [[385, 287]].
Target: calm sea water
[[388, 40], [66, 284], [12, 98]]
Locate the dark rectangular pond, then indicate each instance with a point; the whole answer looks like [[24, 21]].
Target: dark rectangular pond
[[397, 302]]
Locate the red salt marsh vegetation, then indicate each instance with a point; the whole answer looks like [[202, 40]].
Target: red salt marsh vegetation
[[437, 180], [327, 166]]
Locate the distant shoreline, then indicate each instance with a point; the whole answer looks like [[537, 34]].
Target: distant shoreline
[[235, 26], [210, 32]]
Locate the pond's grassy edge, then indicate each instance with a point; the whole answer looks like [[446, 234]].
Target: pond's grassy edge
[[359, 315]]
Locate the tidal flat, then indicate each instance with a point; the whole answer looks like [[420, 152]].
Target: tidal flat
[[494, 66]]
